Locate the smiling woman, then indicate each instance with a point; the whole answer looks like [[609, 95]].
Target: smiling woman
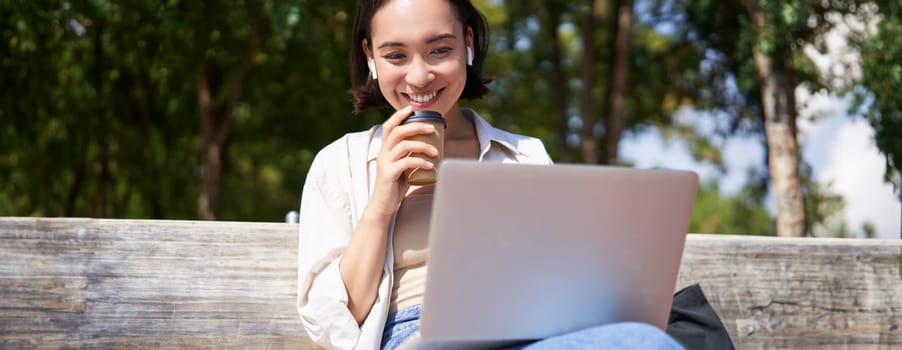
[[456, 25], [362, 254]]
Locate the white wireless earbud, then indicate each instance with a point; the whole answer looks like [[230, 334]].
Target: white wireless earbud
[[469, 56], [372, 65]]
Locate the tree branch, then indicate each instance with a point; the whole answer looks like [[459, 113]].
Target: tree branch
[[237, 86]]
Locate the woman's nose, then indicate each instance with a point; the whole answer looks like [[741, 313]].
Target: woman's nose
[[420, 73]]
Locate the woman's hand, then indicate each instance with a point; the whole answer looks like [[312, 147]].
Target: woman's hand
[[361, 263], [393, 160]]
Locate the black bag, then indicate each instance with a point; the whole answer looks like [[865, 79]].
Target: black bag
[[694, 324]]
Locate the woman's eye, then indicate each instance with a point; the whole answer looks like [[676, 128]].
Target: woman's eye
[[442, 51], [394, 56]]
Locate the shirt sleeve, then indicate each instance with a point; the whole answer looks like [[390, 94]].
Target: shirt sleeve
[[325, 228]]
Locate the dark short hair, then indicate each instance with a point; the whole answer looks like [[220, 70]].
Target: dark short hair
[[366, 91]]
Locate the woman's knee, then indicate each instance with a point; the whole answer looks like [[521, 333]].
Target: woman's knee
[[625, 335], [636, 335]]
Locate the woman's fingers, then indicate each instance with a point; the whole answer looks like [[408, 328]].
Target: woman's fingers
[[406, 131], [413, 163], [396, 119], [393, 162], [399, 142], [407, 147]]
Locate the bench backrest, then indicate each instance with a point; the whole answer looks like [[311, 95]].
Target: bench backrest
[[73, 283]]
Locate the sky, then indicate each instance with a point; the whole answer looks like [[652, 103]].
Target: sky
[[844, 152]]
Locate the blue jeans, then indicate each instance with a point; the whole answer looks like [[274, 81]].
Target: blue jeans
[[628, 335], [400, 325]]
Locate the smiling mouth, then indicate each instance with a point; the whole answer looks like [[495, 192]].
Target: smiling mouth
[[425, 98]]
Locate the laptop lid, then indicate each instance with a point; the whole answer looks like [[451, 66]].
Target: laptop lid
[[519, 252]]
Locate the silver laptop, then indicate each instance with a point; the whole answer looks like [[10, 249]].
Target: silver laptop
[[525, 252]]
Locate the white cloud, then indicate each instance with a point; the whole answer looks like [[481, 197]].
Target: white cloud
[[648, 149], [855, 167]]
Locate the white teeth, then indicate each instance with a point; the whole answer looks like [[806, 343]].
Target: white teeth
[[422, 98]]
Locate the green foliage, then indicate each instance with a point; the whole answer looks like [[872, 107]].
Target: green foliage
[[733, 214], [881, 82], [104, 119], [728, 80], [99, 115], [823, 209]]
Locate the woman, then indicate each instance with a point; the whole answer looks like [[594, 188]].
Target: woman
[[362, 239]]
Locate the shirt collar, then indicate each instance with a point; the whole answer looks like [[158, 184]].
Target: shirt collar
[[489, 135], [485, 133]]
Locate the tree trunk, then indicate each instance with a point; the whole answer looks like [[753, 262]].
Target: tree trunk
[[101, 164], [778, 103], [214, 139], [216, 123], [559, 81], [620, 76], [74, 189], [586, 95]]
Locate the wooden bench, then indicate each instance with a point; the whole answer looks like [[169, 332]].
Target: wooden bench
[[127, 284]]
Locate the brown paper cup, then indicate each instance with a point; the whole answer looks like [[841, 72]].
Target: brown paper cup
[[419, 176]]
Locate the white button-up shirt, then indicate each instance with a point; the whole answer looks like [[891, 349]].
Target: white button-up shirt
[[335, 193]]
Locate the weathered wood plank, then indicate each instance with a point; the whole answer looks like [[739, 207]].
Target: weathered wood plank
[[75, 283], [803, 293]]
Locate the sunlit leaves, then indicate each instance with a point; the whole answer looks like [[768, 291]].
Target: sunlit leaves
[[882, 80], [100, 116]]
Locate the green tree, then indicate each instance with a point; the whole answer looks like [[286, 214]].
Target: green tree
[[880, 85], [755, 52]]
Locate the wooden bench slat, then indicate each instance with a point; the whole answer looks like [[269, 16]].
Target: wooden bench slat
[[148, 284], [800, 293]]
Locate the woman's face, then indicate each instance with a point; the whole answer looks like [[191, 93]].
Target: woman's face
[[420, 53]]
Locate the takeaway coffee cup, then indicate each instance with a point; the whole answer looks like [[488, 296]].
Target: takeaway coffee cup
[[418, 176]]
